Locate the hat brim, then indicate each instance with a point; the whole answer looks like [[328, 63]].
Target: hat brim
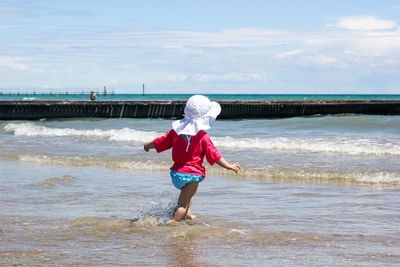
[[191, 126]]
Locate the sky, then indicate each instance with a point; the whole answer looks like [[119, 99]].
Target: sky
[[207, 46]]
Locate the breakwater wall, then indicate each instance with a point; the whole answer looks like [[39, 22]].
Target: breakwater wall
[[33, 110]]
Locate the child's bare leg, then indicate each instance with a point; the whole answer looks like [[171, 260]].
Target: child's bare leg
[[184, 201], [189, 214]]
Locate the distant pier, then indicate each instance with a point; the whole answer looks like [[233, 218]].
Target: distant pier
[[33, 110]]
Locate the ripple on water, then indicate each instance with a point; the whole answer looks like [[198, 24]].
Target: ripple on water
[[57, 181]]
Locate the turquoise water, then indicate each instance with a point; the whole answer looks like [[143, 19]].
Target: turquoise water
[[228, 97]]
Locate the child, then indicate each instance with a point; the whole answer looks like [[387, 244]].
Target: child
[[190, 144]]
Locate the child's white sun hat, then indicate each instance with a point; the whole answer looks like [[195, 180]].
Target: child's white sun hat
[[200, 113]]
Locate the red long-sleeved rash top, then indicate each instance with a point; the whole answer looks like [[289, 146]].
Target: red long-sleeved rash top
[[188, 159]]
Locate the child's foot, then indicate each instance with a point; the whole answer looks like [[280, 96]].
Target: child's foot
[[190, 217], [172, 223]]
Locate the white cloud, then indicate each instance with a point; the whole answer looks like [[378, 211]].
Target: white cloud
[[325, 60], [205, 39], [12, 63], [288, 54], [229, 77], [211, 59], [365, 23], [376, 43], [311, 57], [176, 78]]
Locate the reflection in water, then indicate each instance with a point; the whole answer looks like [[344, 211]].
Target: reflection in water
[[183, 252], [104, 241]]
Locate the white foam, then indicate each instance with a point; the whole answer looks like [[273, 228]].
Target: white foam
[[343, 177], [342, 145], [377, 177], [89, 161], [124, 134], [337, 145]]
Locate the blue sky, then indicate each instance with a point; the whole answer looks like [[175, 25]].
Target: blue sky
[[177, 46]]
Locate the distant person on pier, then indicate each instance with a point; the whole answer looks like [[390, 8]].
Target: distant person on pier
[[92, 96]]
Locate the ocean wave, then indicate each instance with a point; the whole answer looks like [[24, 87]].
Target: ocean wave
[[144, 166], [124, 134], [270, 174], [340, 177], [334, 145]]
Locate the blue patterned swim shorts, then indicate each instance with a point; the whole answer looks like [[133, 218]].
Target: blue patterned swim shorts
[[180, 179]]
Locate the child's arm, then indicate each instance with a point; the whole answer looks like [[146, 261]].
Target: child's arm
[[224, 164], [161, 143], [148, 146]]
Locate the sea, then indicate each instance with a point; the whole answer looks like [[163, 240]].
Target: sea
[[312, 191]]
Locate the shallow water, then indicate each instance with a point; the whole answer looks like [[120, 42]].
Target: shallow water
[[317, 191]]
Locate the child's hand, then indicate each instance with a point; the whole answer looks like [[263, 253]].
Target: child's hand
[[148, 146], [224, 164], [235, 167]]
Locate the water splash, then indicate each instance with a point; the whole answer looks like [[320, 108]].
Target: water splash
[[161, 211]]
